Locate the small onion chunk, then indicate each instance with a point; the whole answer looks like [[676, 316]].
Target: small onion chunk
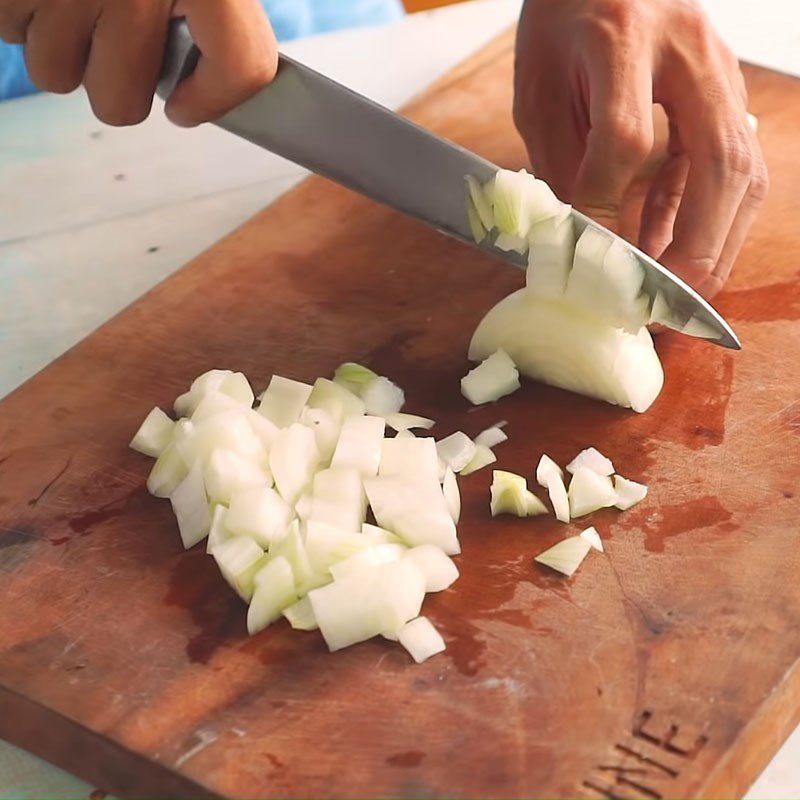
[[274, 591], [491, 437], [403, 422], [382, 397], [451, 493], [566, 556], [629, 493], [510, 495], [421, 639], [438, 568], [495, 377], [190, 505], [284, 400], [262, 514], [589, 492], [593, 537], [456, 450], [154, 434], [300, 615], [591, 459], [482, 458], [545, 469]]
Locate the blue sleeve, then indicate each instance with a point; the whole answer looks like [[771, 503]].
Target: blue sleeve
[[14, 80], [290, 19]]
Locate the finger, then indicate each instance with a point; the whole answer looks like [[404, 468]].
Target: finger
[[663, 198], [14, 21], [721, 166], [57, 45], [125, 59], [621, 130], [757, 191], [239, 57]]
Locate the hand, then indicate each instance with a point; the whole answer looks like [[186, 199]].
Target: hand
[[587, 75], [115, 49]]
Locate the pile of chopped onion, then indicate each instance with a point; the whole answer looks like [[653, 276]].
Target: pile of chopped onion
[[311, 509], [580, 323]]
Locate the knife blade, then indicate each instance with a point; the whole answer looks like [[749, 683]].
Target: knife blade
[[339, 134]]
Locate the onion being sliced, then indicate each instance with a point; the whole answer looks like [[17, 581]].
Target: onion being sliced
[[495, 377], [520, 201], [451, 494], [482, 458], [260, 514], [559, 498], [558, 344], [482, 206], [551, 244], [566, 556], [629, 493], [239, 559], [338, 498], [367, 602], [507, 242], [283, 401], [593, 537], [589, 492], [293, 460], [227, 472], [360, 445], [403, 422], [591, 459], [456, 450], [491, 437], [421, 639], [190, 506], [300, 615], [545, 469], [438, 568], [154, 434], [382, 397], [415, 510], [274, 591], [475, 225], [413, 459]]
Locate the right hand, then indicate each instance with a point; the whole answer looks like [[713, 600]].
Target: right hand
[[115, 48]]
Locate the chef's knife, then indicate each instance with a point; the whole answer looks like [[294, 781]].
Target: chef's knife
[[333, 131]]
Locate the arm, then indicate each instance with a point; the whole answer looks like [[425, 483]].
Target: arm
[[588, 73]]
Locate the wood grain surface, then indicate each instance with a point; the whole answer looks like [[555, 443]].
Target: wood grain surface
[[667, 667]]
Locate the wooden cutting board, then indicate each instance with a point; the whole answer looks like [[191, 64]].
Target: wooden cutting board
[[666, 667]]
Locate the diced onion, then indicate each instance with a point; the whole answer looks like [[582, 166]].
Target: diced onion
[[339, 499], [566, 556], [629, 493], [591, 459], [227, 472], [491, 437], [411, 459], [154, 434], [545, 469], [559, 498], [168, 471], [456, 450], [452, 495], [300, 615], [589, 492], [438, 568], [293, 460], [327, 545], [360, 445], [510, 495], [284, 400], [403, 422], [482, 457], [190, 505], [382, 397], [218, 532], [238, 560], [274, 591], [421, 639], [593, 537], [495, 377], [261, 514], [336, 400], [369, 557]]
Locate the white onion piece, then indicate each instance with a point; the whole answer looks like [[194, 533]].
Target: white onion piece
[[327, 545], [236, 386], [218, 532], [368, 557], [262, 514], [592, 459], [378, 535], [629, 493], [551, 244], [154, 434], [274, 591], [168, 471], [339, 402], [293, 460], [491, 437], [559, 498], [589, 492], [456, 450], [415, 510], [510, 495], [304, 506], [227, 472], [508, 242], [264, 430], [228, 430], [238, 560], [520, 201], [293, 549], [353, 375], [558, 344], [326, 431], [406, 434], [412, 459], [209, 381], [300, 615], [482, 458], [382, 397], [495, 377], [482, 206], [367, 602], [283, 401], [360, 444], [184, 405], [566, 556], [451, 493], [190, 506], [403, 422], [338, 498], [438, 568], [545, 469], [421, 639], [475, 225], [593, 537]]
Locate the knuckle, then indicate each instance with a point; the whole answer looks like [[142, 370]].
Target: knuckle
[[759, 183], [732, 154], [631, 137]]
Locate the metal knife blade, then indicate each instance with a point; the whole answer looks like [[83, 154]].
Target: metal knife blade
[[336, 132]]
